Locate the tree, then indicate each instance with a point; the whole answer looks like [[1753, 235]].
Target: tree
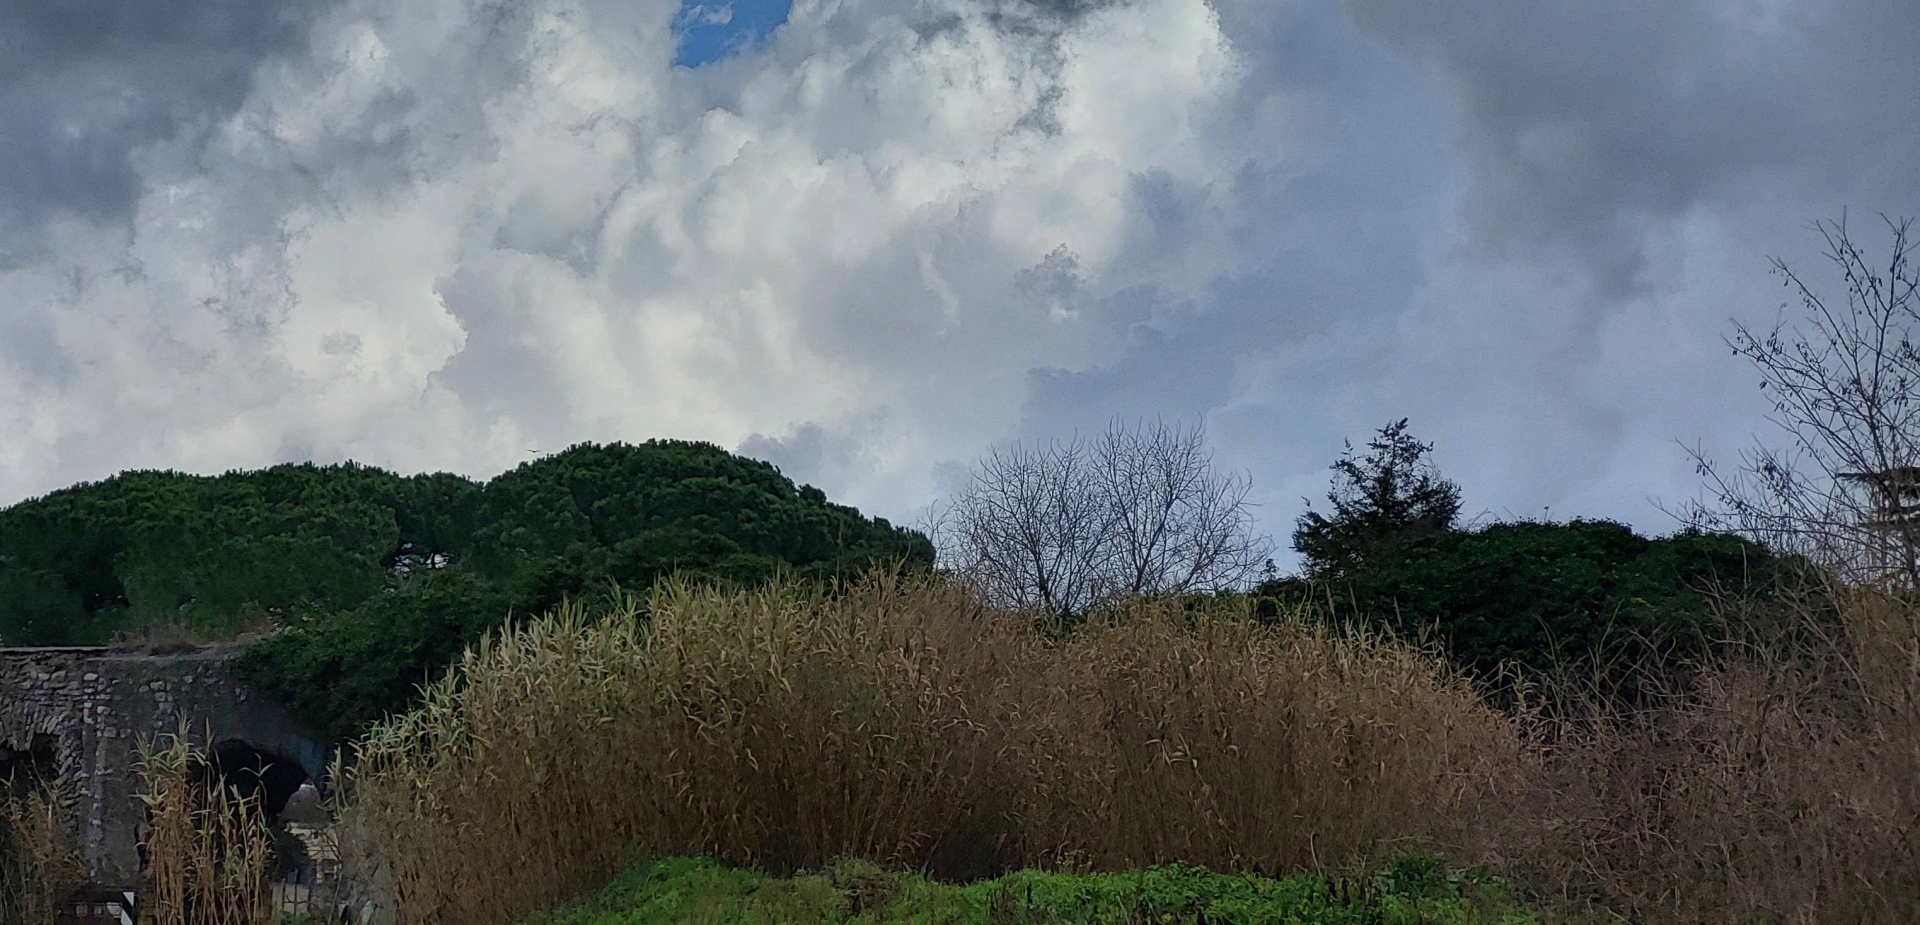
[[1845, 385], [1539, 596], [376, 581], [1066, 527], [1392, 493]]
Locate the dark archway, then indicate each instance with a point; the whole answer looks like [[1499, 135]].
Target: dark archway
[[252, 771], [29, 765]]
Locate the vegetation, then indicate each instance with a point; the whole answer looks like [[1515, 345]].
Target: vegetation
[[1772, 787], [377, 581], [206, 846], [39, 860], [900, 723], [1414, 890], [1380, 501], [1065, 528], [1550, 596], [1844, 380], [1544, 598]]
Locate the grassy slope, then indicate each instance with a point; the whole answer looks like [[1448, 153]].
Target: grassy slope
[[686, 891]]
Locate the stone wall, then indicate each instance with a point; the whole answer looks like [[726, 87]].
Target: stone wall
[[96, 704]]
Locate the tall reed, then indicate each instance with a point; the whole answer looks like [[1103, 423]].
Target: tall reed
[[899, 722], [1781, 785], [207, 847], [39, 858]]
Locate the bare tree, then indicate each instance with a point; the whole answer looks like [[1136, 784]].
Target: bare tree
[[1845, 385], [1063, 527]]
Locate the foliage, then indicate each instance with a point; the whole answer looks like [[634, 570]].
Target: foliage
[[207, 848], [684, 890], [1769, 786], [899, 722], [1536, 596], [1391, 494], [379, 580], [1544, 595], [340, 670], [81, 564]]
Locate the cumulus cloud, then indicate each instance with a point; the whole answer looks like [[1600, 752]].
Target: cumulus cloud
[[1624, 173], [446, 233]]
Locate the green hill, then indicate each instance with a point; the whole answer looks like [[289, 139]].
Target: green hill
[[376, 580]]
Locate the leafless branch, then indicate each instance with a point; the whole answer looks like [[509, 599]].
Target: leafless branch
[[1845, 386], [1067, 526]]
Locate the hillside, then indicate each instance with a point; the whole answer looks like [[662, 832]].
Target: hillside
[[376, 580]]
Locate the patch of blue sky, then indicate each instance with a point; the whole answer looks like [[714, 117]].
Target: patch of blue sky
[[710, 30]]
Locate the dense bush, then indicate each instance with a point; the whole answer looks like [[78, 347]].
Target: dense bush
[[900, 723], [1545, 595], [377, 581]]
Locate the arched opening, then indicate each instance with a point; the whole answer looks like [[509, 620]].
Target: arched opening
[[257, 773], [29, 765], [291, 814]]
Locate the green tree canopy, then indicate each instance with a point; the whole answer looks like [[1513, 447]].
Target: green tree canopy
[[1536, 596], [1541, 595], [377, 580]]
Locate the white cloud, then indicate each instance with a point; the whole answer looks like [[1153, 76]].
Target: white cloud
[[440, 234], [444, 233]]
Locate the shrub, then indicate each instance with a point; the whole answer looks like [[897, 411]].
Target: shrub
[[1774, 787], [898, 722], [1542, 596]]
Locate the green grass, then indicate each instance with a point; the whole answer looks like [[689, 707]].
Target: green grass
[[1415, 890]]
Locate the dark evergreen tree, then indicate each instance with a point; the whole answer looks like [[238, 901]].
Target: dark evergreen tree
[[1392, 494]]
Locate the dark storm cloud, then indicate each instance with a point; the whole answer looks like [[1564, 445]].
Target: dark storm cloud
[[1581, 121], [83, 85]]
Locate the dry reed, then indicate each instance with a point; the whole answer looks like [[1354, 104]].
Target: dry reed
[[898, 722], [901, 723], [1782, 785], [207, 847], [39, 860]]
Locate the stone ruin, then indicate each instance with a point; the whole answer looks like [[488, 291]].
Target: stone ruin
[[77, 715]]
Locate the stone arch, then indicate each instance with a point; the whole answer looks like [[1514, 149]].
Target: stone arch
[[253, 771], [29, 764], [91, 708]]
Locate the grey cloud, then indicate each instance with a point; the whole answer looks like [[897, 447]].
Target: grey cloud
[[1581, 122], [441, 233], [499, 373], [833, 458], [83, 86], [1317, 238]]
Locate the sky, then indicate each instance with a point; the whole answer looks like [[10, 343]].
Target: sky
[[869, 239]]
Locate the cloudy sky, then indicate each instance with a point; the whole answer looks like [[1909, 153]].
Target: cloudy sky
[[867, 239]]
